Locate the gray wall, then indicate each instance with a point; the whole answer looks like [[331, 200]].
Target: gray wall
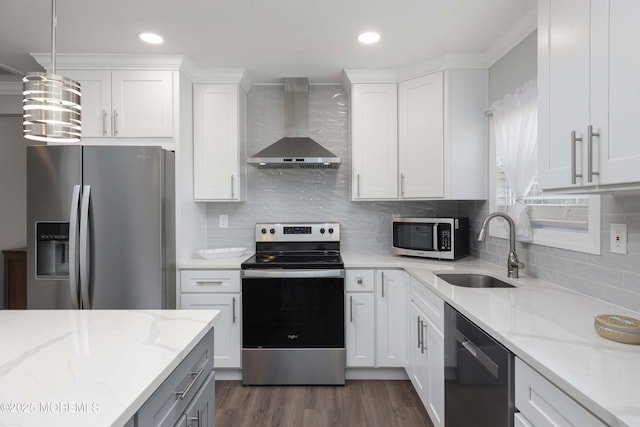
[[309, 194], [611, 277], [13, 188]]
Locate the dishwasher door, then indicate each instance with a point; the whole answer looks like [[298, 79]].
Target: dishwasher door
[[479, 380]]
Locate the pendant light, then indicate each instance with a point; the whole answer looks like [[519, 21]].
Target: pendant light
[[51, 103]]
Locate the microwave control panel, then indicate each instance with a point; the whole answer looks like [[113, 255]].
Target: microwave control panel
[[444, 237]]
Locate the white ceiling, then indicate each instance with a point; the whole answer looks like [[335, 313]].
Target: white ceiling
[[271, 39]]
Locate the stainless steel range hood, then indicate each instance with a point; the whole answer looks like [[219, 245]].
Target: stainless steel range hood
[[296, 149]]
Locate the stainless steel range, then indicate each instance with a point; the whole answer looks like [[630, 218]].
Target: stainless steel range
[[293, 306]]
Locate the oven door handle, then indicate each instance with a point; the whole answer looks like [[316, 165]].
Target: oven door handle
[[294, 274]]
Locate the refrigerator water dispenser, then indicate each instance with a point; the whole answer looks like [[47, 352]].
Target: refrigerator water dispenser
[[52, 250]]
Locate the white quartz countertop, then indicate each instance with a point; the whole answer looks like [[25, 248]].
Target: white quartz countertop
[[547, 326], [89, 367]]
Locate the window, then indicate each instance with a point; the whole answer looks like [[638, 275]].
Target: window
[[558, 220]]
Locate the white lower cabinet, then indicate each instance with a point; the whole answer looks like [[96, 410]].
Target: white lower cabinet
[[542, 404], [375, 324], [217, 290], [391, 308], [425, 366], [360, 330]]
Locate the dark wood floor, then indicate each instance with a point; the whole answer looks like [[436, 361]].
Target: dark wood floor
[[358, 403]]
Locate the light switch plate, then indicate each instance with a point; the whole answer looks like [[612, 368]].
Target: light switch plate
[[223, 221], [618, 242]]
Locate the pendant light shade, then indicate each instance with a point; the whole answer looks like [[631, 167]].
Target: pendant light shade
[[51, 103]]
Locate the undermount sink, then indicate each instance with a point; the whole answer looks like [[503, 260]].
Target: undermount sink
[[473, 280]]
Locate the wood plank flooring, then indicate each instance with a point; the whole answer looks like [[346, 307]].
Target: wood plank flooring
[[370, 403]]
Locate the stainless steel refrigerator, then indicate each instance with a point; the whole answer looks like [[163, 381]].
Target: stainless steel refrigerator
[[100, 227]]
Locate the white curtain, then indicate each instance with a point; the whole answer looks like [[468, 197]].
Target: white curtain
[[515, 124]]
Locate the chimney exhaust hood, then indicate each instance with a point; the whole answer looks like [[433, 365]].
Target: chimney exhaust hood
[[296, 149]]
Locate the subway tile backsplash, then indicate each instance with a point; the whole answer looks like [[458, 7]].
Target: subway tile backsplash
[[323, 195]]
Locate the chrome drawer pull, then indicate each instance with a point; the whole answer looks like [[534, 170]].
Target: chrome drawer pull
[[574, 140], [182, 394]]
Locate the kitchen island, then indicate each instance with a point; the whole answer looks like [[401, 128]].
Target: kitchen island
[[91, 367]]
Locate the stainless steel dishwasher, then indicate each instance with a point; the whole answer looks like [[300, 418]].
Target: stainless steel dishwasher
[[479, 380]]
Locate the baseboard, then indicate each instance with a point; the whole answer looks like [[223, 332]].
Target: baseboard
[[376, 374], [228, 374]]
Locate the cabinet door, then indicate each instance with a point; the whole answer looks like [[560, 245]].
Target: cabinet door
[[227, 337], [391, 319], [615, 90], [434, 342], [216, 145], [374, 141], [421, 137], [417, 358], [563, 89], [360, 330], [201, 410], [95, 100], [545, 405], [142, 103]]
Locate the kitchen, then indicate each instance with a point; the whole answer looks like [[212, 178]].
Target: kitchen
[[278, 194]]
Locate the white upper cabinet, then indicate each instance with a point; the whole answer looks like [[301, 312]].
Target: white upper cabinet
[[219, 142], [421, 136], [374, 141], [588, 95], [126, 103]]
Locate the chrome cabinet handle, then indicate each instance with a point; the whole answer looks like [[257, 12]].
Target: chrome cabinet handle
[[574, 140], [232, 188], [359, 280], [195, 375], [104, 122], [358, 185], [351, 308], [419, 328], [402, 184], [233, 308], [383, 284], [115, 122], [590, 135], [198, 419]]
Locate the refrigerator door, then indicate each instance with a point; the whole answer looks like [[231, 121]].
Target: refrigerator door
[[125, 226], [52, 173]]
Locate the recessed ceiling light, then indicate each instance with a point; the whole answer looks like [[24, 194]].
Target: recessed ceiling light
[[151, 38], [369, 37]]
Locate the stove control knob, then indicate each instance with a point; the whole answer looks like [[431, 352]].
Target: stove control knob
[[263, 231], [322, 231], [272, 231], [331, 231]]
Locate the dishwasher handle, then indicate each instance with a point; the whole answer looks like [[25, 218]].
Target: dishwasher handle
[[478, 354]]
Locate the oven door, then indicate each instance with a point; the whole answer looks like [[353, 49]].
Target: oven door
[[293, 309]]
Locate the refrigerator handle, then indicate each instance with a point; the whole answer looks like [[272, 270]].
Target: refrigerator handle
[[85, 255], [73, 250]]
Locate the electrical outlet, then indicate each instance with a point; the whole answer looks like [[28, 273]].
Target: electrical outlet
[[223, 221], [618, 238]]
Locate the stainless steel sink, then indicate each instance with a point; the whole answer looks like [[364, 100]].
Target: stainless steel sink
[[472, 280]]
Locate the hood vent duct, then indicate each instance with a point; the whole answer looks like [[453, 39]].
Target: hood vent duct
[[296, 149]]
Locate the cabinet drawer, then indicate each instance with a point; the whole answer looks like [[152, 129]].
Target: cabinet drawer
[[545, 405], [201, 409], [210, 280], [170, 401], [430, 303], [359, 280]]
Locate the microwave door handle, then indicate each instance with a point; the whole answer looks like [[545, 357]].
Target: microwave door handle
[[435, 237]]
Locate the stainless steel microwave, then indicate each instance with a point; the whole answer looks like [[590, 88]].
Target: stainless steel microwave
[[440, 238]]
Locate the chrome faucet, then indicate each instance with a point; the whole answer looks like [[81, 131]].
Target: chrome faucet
[[513, 265]]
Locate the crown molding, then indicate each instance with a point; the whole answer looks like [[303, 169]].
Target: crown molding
[[215, 75], [514, 35], [101, 61]]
